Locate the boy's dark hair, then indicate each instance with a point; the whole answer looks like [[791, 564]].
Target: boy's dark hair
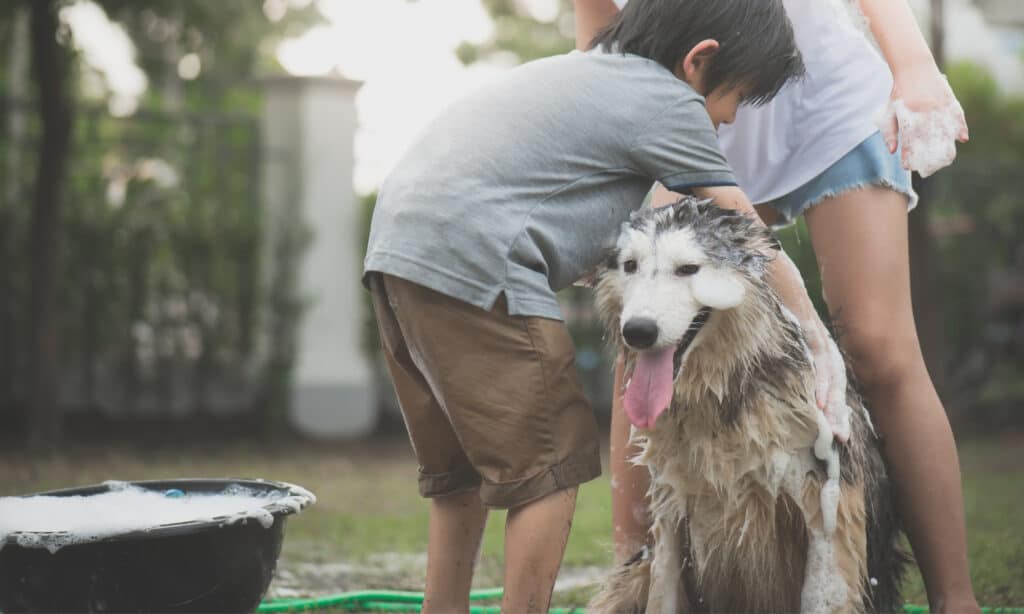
[[757, 47]]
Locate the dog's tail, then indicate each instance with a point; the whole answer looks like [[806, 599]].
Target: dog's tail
[[886, 558], [624, 591]]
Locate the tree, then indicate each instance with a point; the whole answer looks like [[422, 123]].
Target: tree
[[50, 68], [229, 39], [517, 32]]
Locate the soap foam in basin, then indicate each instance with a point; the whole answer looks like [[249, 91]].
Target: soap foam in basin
[[53, 522]]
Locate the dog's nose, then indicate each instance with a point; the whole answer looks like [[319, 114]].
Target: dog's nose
[[640, 333]]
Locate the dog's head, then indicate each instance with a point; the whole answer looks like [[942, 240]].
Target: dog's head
[[671, 270]]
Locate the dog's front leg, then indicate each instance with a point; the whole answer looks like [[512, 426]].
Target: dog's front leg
[[667, 595], [835, 559]]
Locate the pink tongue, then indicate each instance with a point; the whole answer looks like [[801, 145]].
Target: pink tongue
[[650, 388]]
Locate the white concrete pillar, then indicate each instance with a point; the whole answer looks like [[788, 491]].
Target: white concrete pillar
[[308, 128]]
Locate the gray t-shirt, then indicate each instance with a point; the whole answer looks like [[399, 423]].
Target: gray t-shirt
[[520, 186]]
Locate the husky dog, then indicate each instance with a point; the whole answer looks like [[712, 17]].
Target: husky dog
[[754, 508]]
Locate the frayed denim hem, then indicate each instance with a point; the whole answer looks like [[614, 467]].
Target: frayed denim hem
[[869, 164], [787, 218]]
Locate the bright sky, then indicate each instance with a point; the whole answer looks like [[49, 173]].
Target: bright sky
[[404, 53], [108, 49]]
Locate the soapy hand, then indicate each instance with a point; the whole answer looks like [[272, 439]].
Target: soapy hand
[[925, 119], [829, 377], [829, 367]]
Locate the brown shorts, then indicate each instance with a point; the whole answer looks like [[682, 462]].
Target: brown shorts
[[491, 401]]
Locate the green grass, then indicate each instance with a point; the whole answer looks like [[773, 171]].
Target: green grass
[[368, 505], [993, 472]]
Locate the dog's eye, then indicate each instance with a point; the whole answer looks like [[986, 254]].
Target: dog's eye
[[687, 269], [629, 266]]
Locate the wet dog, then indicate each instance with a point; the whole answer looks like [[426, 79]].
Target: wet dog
[[754, 507]]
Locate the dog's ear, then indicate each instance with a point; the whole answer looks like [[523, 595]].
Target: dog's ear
[[611, 259], [687, 208], [609, 263], [718, 288], [757, 241], [767, 241], [765, 246]]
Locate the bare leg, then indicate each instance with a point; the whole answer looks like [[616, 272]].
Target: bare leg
[[535, 538], [860, 239], [630, 516], [667, 594], [456, 527]]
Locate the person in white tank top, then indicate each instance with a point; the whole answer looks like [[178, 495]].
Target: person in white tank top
[[838, 147]]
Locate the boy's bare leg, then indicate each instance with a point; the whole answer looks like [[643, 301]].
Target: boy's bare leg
[[535, 538], [860, 239], [631, 519], [456, 527]]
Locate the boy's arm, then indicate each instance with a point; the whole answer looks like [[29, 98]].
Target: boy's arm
[[591, 16], [924, 114], [829, 369]]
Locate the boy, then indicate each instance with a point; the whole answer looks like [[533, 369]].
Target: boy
[[509, 196]]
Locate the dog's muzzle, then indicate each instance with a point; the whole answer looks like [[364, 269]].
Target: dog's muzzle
[[642, 333], [648, 391]]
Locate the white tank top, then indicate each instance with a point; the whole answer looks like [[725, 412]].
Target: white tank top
[[812, 123]]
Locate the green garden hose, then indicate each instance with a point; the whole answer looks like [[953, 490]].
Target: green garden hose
[[405, 601], [367, 601], [923, 609]]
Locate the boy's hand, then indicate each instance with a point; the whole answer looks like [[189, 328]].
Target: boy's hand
[[829, 368], [829, 377], [925, 118]]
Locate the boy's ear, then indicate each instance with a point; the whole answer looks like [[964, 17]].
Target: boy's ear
[[694, 65]]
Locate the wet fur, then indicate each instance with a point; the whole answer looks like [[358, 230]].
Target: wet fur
[[733, 452]]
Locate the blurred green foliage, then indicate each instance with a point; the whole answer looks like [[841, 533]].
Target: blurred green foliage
[[160, 256], [978, 220], [234, 42], [164, 302], [520, 34]]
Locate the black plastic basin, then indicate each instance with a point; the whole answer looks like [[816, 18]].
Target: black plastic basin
[[197, 566]]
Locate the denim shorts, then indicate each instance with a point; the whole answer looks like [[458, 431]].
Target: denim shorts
[[867, 164]]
